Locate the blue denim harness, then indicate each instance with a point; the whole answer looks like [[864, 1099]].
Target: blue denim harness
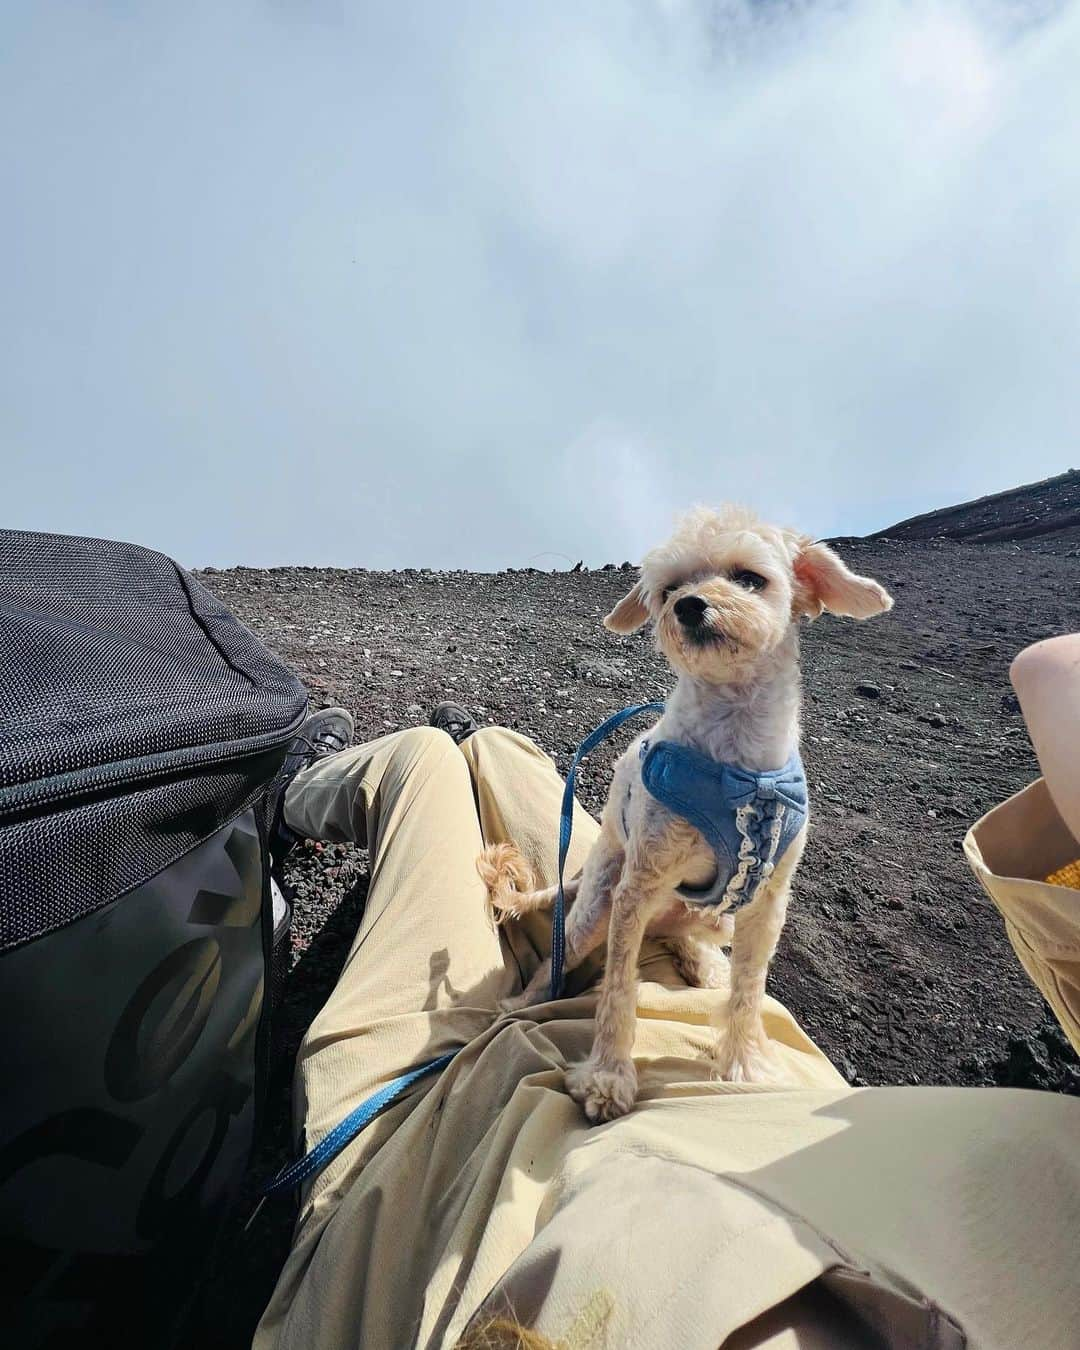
[[748, 819]]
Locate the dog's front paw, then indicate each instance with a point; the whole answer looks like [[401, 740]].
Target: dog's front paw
[[604, 1091]]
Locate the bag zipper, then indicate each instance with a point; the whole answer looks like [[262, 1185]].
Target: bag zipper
[[47, 793]]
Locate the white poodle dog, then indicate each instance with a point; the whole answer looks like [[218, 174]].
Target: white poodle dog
[[706, 818]]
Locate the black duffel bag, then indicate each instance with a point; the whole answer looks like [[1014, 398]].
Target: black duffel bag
[[141, 729]]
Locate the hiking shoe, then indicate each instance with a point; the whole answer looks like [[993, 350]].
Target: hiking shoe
[[454, 720], [326, 732]]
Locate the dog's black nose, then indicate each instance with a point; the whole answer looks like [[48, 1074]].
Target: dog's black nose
[[690, 610]]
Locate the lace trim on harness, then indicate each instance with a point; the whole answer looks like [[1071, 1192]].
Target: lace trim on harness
[[744, 816], [769, 865], [749, 862]]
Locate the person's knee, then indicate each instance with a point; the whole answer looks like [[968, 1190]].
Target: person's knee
[[423, 750], [490, 735], [496, 738], [418, 755], [1052, 657], [426, 743]]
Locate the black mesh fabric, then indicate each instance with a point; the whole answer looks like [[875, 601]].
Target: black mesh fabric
[[109, 651], [58, 866], [137, 715]]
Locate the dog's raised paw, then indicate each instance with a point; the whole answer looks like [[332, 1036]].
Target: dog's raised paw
[[603, 1092]]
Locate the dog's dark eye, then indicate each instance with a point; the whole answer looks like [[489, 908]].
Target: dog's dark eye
[[666, 592], [753, 581]]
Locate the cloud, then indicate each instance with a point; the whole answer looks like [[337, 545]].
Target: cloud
[[460, 285]]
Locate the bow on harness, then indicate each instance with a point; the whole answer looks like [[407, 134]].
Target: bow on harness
[[747, 818]]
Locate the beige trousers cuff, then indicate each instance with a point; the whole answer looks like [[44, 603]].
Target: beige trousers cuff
[[1011, 849]]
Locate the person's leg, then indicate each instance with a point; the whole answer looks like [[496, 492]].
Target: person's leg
[[427, 967], [519, 795], [952, 1208]]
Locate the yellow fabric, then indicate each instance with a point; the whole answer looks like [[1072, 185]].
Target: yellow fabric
[[1069, 875], [807, 1215]]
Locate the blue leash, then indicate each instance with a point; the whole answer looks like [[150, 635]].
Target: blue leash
[[345, 1131], [566, 826]]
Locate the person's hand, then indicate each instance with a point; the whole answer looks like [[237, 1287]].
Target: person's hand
[[1046, 678]]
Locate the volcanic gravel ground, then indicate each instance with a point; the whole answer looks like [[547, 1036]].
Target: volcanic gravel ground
[[892, 958]]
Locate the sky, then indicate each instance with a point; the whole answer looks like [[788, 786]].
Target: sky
[[498, 284]]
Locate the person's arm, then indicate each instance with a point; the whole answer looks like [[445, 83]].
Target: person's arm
[[1046, 678]]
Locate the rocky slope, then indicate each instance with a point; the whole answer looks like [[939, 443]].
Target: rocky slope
[[1046, 515]]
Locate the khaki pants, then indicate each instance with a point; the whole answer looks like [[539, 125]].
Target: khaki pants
[[808, 1215]]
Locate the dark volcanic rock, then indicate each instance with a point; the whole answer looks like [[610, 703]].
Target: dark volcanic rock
[[1042, 1060], [603, 673]]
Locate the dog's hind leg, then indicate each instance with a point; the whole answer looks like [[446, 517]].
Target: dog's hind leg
[[700, 960]]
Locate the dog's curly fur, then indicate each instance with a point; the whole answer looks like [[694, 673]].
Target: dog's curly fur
[[735, 650]]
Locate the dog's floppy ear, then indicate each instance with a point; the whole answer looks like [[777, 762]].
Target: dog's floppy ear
[[630, 613], [824, 581]]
